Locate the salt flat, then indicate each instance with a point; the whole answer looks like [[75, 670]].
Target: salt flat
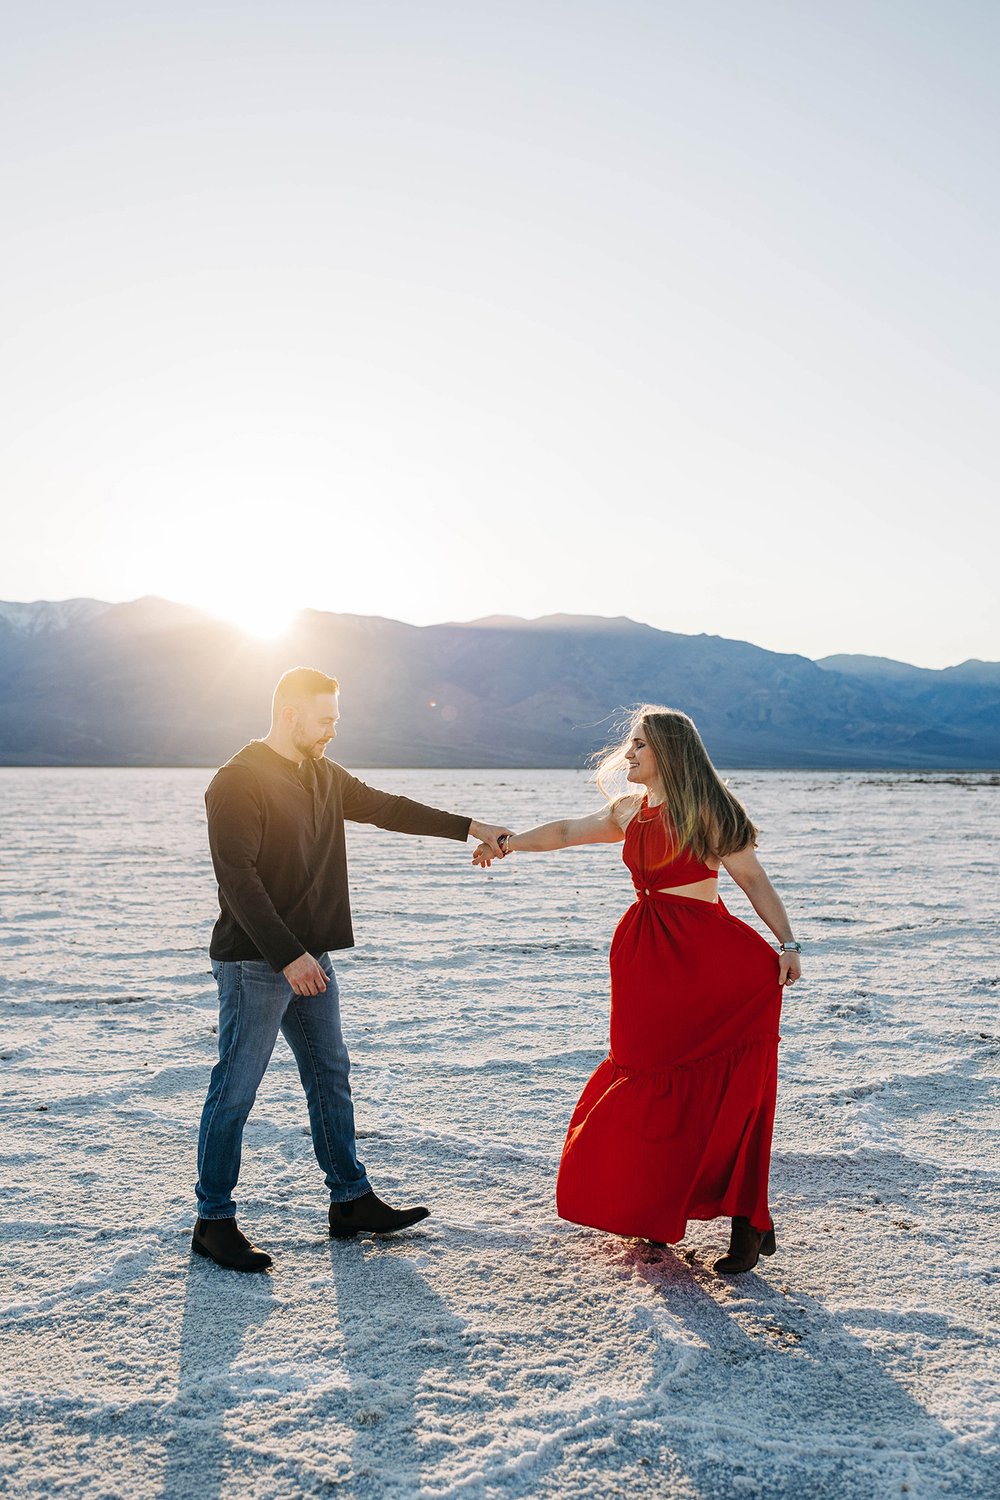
[[495, 1351]]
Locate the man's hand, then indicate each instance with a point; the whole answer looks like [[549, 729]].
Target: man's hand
[[488, 833], [305, 975]]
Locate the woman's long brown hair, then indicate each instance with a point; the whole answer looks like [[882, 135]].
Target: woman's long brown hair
[[700, 809]]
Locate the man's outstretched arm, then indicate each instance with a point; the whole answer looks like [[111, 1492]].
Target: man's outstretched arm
[[366, 804]]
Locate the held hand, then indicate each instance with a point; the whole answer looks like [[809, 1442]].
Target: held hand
[[789, 968], [488, 833], [305, 975], [483, 856]]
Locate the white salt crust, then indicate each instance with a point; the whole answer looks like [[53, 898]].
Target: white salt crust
[[494, 1351]]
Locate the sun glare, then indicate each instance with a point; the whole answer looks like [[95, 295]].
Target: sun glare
[[260, 619]]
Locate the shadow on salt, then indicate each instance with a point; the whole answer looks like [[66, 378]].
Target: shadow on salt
[[403, 1351], [751, 1389], [800, 1397], [406, 1355], [220, 1309]]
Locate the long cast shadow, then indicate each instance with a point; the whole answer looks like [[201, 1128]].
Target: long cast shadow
[[402, 1374], [815, 1409], [219, 1309], [754, 1389]]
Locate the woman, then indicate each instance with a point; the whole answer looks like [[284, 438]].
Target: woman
[[676, 1122]]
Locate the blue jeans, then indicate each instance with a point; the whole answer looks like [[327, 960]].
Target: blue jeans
[[255, 1004]]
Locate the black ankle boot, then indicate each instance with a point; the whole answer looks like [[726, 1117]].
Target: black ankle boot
[[746, 1245], [369, 1215], [220, 1240]]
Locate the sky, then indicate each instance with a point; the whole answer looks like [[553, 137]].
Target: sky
[[679, 311]]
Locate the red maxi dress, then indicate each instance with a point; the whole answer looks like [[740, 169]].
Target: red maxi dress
[[676, 1122]]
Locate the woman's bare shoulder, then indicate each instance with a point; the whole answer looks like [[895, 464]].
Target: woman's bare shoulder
[[624, 809]]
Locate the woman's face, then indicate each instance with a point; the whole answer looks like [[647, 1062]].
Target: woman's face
[[641, 763]]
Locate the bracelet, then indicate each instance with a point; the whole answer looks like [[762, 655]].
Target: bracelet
[[503, 841], [790, 947]]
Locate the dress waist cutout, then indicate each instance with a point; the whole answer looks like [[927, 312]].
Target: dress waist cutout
[[648, 890]]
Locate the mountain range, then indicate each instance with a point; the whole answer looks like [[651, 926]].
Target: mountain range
[[151, 682]]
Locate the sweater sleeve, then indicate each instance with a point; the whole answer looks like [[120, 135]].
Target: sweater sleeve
[[234, 835], [365, 804]]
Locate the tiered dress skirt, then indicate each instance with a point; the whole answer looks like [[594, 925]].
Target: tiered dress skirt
[[676, 1123]]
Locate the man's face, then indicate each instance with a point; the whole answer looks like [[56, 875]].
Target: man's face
[[315, 725]]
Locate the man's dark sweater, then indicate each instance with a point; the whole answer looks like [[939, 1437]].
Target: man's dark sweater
[[276, 831]]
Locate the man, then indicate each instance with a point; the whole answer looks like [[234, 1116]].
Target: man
[[276, 830]]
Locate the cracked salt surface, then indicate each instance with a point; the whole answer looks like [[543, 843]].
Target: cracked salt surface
[[494, 1351]]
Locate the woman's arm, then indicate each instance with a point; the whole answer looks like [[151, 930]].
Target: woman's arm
[[749, 874], [597, 828]]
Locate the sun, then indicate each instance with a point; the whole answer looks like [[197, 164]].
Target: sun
[[256, 608], [261, 619]]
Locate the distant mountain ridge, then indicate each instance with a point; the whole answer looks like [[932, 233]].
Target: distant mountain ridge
[[46, 614], [885, 668], [156, 683]]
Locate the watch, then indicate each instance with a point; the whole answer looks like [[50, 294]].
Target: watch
[[790, 947]]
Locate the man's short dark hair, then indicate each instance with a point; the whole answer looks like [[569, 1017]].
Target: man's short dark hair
[[303, 682]]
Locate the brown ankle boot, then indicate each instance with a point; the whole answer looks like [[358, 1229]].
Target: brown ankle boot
[[221, 1240], [369, 1215], [746, 1245]]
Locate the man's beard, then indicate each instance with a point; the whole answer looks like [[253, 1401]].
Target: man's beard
[[309, 749]]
